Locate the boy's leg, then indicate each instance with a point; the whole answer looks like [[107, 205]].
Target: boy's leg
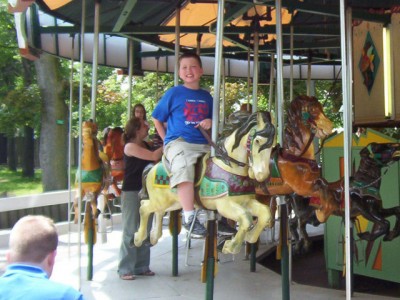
[[186, 198], [182, 157], [186, 195]]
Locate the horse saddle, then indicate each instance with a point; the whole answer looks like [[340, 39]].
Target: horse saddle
[[313, 165], [275, 177], [163, 171], [218, 182], [362, 189], [211, 181]]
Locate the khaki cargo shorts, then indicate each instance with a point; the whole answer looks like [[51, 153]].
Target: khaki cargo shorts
[[182, 157]]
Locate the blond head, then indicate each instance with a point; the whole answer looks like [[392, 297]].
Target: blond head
[[32, 239]]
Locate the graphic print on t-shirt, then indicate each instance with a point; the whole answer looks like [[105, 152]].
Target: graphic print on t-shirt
[[195, 111]]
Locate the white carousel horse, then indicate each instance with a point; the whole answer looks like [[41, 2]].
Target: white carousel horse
[[226, 184]]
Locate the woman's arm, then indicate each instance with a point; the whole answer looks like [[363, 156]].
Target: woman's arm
[[132, 149]]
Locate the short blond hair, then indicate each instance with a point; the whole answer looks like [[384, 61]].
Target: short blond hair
[[32, 238]]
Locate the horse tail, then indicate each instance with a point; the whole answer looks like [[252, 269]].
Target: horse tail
[[143, 193]]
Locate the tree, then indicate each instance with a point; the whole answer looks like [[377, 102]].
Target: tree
[[54, 124], [10, 70]]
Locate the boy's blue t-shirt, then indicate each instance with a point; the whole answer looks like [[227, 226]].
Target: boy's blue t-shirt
[[183, 108]]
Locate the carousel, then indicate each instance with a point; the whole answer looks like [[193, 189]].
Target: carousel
[[288, 162]]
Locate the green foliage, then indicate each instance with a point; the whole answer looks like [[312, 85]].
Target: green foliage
[[329, 93], [111, 102], [10, 61], [12, 94], [148, 89], [392, 132], [18, 108]]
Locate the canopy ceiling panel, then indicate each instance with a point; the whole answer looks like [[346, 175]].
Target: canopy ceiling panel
[[314, 24], [205, 14], [113, 49]]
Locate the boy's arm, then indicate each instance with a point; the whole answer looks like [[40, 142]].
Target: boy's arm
[[205, 124], [160, 128]]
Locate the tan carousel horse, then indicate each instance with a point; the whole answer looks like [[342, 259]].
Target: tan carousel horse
[[293, 167], [226, 184], [94, 178]]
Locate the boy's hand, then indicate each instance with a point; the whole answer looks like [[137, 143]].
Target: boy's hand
[[205, 124]]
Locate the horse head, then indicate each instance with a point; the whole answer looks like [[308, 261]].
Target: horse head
[[257, 136], [89, 132], [305, 119], [382, 153], [310, 111]]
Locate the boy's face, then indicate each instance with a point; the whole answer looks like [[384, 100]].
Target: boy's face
[[190, 71]]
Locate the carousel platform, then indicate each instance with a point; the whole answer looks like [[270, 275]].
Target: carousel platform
[[234, 281]]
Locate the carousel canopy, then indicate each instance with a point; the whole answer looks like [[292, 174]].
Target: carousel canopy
[[151, 24]]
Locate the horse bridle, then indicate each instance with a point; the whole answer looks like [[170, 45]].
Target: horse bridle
[[382, 173], [310, 140], [311, 121]]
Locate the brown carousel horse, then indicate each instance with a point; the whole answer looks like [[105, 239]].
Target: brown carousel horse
[[364, 195], [226, 184], [114, 149], [293, 166]]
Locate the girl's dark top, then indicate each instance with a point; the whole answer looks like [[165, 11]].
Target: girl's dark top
[[133, 172]]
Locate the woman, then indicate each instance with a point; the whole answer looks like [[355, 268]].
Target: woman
[[137, 154], [139, 111], [154, 140]]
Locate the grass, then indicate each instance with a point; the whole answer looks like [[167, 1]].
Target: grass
[[13, 184]]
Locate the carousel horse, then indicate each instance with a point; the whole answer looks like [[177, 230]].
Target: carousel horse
[[364, 195], [293, 166], [303, 214], [114, 149], [226, 184], [93, 174]]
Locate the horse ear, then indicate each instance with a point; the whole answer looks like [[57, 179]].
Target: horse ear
[[260, 120], [263, 118]]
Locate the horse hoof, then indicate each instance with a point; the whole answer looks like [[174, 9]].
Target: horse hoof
[[132, 242], [153, 240], [389, 237], [365, 236], [135, 242], [321, 216], [229, 248]]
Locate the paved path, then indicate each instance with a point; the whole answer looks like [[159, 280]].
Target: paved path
[[234, 280]]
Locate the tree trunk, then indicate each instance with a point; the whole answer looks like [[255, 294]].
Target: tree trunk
[[28, 163], [11, 155], [54, 125]]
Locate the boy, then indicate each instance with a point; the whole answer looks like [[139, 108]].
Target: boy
[[185, 108]]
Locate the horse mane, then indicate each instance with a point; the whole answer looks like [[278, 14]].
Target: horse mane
[[252, 121], [234, 121], [295, 120]]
